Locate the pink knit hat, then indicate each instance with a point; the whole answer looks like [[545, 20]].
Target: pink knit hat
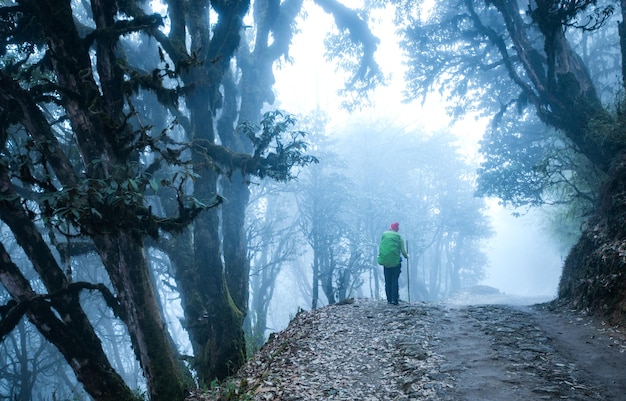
[[395, 226]]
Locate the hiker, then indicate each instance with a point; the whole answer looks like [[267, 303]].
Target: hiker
[[389, 255]]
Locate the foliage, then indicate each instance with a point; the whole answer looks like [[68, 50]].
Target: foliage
[[523, 165], [280, 157], [593, 272], [229, 390], [611, 131], [353, 49], [586, 15], [498, 59]]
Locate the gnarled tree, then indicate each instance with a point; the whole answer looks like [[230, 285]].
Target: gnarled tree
[[80, 158]]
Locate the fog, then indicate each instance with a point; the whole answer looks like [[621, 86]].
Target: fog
[[523, 260]]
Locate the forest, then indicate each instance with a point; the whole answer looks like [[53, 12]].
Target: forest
[[159, 207]]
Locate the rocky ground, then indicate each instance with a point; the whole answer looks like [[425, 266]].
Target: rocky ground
[[370, 350]]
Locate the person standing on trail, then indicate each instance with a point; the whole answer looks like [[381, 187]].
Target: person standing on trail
[[390, 254]]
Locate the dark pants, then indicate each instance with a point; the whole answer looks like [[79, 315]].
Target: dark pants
[[392, 274]]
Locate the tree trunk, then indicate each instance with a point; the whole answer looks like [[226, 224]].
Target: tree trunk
[[93, 119], [455, 264], [71, 332], [375, 270], [564, 94], [622, 40], [124, 258], [237, 196], [327, 270], [315, 280], [220, 333], [436, 267], [214, 323], [236, 262], [262, 283]]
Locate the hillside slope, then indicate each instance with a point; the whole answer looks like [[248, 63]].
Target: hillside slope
[[594, 272]]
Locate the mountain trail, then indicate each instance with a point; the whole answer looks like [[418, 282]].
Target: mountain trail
[[366, 349]]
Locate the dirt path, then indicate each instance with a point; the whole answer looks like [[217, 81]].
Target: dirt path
[[369, 350], [528, 353], [598, 351]]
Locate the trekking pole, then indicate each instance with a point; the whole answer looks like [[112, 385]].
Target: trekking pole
[[408, 267]]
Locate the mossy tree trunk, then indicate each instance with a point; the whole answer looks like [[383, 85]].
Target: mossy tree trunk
[[124, 257], [236, 197], [273, 33], [214, 322]]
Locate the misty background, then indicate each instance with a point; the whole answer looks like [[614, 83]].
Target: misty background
[[524, 258]]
